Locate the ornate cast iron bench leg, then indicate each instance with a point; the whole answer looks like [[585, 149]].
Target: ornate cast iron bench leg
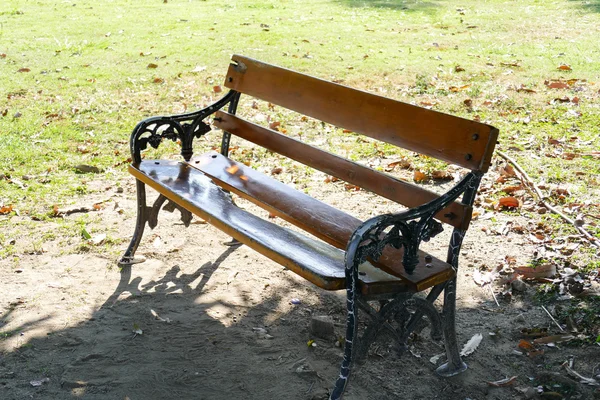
[[407, 229], [149, 215], [128, 258]]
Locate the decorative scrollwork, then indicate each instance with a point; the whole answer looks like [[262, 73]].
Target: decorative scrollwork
[[393, 319], [405, 230], [396, 232], [183, 128]]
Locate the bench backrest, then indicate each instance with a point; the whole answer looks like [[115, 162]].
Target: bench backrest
[[449, 138]]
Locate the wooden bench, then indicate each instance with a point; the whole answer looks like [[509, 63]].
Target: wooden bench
[[377, 261]]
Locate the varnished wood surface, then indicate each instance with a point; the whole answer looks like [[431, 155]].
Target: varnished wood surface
[[456, 214], [312, 259], [320, 219], [456, 140], [316, 261]]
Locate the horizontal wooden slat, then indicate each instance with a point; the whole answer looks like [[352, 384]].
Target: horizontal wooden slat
[[456, 140], [312, 259], [320, 219], [456, 214]]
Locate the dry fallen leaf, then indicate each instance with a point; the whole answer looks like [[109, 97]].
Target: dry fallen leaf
[[442, 176], [538, 272], [6, 209], [217, 89], [471, 345], [276, 171], [233, 169], [556, 85], [512, 189], [503, 382], [509, 201], [419, 176], [553, 339], [152, 66], [350, 187], [458, 89], [564, 67], [402, 163], [24, 70], [525, 345], [274, 125]]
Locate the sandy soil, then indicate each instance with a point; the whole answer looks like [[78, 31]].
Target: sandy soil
[[217, 322]]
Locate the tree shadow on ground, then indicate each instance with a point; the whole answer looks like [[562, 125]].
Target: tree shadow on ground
[[405, 5], [587, 5]]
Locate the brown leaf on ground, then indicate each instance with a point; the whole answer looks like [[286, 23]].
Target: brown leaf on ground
[[401, 163], [556, 85], [503, 382], [276, 171], [458, 89], [569, 156], [553, 339], [158, 80], [511, 202], [512, 189], [152, 66], [419, 176], [564, 67], [6, 209], [442, 176], [525, 345], [507, 170], [351, 187], [217, 89], [274, 125], [426, 103], [25, 69], [538, 272], [522, 88]]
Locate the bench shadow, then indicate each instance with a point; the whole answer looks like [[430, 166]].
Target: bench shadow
[[189, 351]]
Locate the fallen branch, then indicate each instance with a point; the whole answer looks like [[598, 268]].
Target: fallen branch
[[529, 184]]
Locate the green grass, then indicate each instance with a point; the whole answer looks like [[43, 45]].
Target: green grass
[[89, 80]]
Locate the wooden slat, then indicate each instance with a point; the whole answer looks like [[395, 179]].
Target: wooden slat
[[320, 219], [456, 214], [456, 140], [314, 260]]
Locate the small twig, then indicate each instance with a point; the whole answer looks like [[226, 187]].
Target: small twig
[[528, 182], [552, 318], [494, 296]]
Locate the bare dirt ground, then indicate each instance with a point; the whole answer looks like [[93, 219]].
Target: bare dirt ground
[[217, 322]]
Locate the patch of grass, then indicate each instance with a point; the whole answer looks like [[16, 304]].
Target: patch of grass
[[87, 78]]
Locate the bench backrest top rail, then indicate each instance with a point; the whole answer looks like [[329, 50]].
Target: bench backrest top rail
[[442, 136]]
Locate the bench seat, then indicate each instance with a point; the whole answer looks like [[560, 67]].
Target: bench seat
[[192, 185]]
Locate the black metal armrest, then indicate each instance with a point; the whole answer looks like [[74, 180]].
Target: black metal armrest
[[182, 127], [404, 229]]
